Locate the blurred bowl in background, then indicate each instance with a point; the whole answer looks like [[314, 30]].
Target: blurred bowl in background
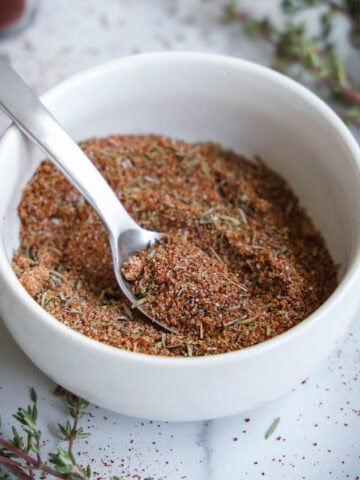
[[15, 15]]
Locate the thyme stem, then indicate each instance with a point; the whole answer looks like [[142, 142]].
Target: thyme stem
[[27, 458], [314, 57], [16, 454], [72, 436]]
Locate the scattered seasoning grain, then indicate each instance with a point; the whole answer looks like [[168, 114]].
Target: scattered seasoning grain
[[242, 262]]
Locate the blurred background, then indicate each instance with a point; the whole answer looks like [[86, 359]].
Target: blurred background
[[313, 40]]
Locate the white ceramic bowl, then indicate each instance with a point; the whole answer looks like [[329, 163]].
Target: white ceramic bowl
[[194, 97]]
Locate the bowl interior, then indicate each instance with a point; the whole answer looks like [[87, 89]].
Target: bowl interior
[[197, 98]]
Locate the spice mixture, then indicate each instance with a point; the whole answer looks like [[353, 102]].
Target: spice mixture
[[241, 262]]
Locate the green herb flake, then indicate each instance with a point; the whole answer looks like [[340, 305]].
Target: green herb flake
[[140, 301], [205, 168], [128, 312], [272, 428]]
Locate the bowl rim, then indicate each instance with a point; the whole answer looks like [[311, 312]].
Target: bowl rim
[[219, 61]]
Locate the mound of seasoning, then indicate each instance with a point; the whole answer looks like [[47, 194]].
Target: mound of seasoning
[[185, 289], [241, 263]]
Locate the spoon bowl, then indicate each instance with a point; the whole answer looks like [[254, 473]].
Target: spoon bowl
[[123, 247]]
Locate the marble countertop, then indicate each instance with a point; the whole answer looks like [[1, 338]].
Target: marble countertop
[[318, 435]]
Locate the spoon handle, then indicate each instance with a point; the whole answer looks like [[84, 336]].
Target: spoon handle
[[30, 115]]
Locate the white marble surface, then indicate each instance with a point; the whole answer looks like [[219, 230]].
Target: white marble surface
[[318, 436]]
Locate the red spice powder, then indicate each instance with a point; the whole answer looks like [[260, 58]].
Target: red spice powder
[[242, 262]]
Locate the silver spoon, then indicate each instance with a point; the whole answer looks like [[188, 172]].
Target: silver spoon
[[29, 114]]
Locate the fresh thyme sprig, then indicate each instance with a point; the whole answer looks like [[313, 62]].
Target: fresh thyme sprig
[[314, 60], [21, 455]]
